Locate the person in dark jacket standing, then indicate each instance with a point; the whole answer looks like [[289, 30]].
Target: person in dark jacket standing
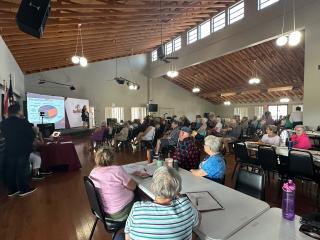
[[19, 138]]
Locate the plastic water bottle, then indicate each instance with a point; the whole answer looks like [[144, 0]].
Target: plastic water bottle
[[288, 200]]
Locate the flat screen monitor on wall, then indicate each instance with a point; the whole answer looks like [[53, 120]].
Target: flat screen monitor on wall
[[46, 109], [152, 107]]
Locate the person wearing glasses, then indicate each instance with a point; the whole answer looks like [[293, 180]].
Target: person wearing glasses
[[213, 166]]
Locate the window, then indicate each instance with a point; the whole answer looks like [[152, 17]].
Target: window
[[241, 111], [114, 112], [204, 29], [138, 113], [177, 44], [154, 56], [298, 105], [265, 3], [219, 21], [236, 12], [168, 48], [278, 110], [258, 111], [192, 35]]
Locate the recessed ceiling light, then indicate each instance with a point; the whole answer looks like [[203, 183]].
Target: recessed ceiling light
[[284, 100], [227, 103]]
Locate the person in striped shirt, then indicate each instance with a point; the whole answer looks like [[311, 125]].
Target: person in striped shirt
[[170, 216]]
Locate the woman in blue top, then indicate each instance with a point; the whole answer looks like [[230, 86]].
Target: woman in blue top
[[213, 166]]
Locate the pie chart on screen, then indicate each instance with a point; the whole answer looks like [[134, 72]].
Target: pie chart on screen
[[50, 111]]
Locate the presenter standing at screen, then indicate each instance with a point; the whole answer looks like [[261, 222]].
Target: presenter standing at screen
[[85, 116]]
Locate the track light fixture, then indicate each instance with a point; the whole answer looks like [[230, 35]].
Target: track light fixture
[[71, 87]]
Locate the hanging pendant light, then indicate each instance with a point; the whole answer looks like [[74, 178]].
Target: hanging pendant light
[[172, 73], [254, 79], [196, 90], [295, 36], [75, 58], [282, 40]]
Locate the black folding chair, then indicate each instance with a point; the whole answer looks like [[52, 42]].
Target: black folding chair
[[268, 159], [242, 157], [251, 183], [110, 225], [301, 166]]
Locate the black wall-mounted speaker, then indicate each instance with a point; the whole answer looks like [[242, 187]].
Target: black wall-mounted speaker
[[32, 16]]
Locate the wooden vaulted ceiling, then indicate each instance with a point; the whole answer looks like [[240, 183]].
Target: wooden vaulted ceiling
[[135, 24], [279, 68]]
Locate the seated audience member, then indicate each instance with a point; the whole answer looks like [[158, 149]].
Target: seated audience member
[[147, 135], [114, 185], [244, 125], [186, 152], [198, 122], [122, 135], [232, 134], [300, 139], [271, 136], [211, 120], [170, 215], [288, 124], [35, 158], [213, 166], [169, 140], [99, 135], [184, 121], [202, 131]]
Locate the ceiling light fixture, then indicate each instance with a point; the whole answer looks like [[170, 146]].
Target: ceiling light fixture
[[227, 103], [254, 79], [284, 100], [228, 94], [295, 36], [75, 58], [195, 89], [71, 87], [172, 73], [282, 40], [278, 89]]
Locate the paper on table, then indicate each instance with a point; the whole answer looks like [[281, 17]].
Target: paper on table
[[204, 201], [130, 169]]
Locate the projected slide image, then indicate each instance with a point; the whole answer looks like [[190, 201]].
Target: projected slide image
[[51, 106], [73, 108], [49, 111]]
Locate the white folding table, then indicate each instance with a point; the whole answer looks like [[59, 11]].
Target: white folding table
[[239, 209], [271, 226]]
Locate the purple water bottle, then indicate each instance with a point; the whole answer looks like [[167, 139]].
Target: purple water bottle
[[288, 200]]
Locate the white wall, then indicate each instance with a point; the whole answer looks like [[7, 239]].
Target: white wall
[[8, 65], [95, 82], [168, 95]]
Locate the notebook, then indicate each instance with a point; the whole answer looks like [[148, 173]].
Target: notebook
[[204, 201]]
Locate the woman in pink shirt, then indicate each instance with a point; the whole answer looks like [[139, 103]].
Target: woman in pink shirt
[[300, 139], [114, 185]]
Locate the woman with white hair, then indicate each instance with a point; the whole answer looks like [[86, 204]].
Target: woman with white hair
[[169, 215], [300, 139], [213, 166], [271, 136]]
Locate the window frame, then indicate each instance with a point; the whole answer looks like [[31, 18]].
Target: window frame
[[200, 29], [232, 7], [107, 109], [174, 43], [266, 3], [154, 55], [166, 48], [278, 105], [241, 111], [142, 112], [188, 35], [213, 21]]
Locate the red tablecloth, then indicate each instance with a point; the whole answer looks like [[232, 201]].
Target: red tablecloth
[[58, 154]]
